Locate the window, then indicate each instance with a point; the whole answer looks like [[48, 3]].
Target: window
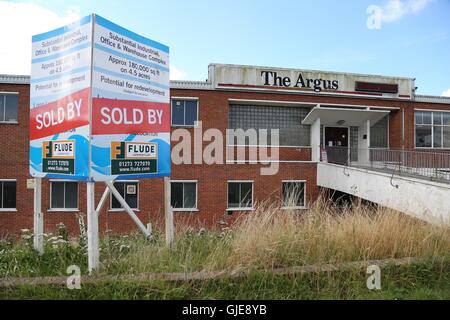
[[183, 195], [63, 195], [432, 129], [240, 195], [9, 105], [379, 133], [7, 195], [286, 119], [184, 112], [129, 191], [293, 194]]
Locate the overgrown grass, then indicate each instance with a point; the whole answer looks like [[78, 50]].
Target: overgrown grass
[[261, 240], [427, 280]]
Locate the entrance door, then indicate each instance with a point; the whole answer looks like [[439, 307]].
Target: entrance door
[[336, 144]]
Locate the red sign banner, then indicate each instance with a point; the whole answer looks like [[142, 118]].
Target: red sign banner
[[111, 116], [62, 115]]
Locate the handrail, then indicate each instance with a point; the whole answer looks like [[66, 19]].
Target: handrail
[[417, 163]]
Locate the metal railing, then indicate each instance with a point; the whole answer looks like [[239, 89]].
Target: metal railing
[[422, 164]]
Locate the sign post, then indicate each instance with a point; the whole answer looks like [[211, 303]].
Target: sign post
[[100, 111], [38, 219], [168, 213]]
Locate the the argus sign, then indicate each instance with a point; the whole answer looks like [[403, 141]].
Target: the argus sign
[[99, 103]]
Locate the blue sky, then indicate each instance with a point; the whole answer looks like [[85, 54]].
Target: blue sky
[[413, 39]]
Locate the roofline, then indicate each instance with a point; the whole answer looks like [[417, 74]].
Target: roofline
[[310, 70], [206, 85], [14, 79]]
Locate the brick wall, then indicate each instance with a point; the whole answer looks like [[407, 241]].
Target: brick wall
[[212, 179]]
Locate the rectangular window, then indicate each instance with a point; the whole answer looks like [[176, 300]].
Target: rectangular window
[[183, 195], [7, 194], [63, 195], [9, 106], [184, 112], [293, 194], [432, 129], [129, 191], [288, 120], [240, 195]]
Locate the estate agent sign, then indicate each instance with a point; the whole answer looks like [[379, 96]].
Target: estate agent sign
[[99, 103]]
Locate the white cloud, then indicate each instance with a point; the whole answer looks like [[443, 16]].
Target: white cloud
[[395, 9], [18, 22], [446, 93], [177, 74]]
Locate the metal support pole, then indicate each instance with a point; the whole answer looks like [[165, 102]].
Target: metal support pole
[[92, 229], [38, 218], [168, 213], [103, 200]]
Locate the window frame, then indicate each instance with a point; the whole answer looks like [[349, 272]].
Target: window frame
[[51, 209], [111, 209], [1, 195], [252, 208], [196, 196], [197, 100], [283, 207], [432, 125], [4, 94]]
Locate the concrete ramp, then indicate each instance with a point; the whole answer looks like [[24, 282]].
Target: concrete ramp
[[423, 199]]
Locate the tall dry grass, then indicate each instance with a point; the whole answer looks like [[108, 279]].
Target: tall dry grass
[[271, 237]]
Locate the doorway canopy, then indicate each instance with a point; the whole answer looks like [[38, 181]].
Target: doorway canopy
[[336, 116]]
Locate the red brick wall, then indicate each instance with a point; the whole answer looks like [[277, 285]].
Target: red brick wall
[[212, 180]]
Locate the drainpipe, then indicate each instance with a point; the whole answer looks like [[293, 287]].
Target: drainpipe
[[403, 128]]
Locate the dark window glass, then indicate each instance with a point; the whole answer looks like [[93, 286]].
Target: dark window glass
[[183, 195], [71, 195], [293, 194], [437, 118], [177, 112], [286, 119], [176, 194], [11, 107], [57, 195], [233, 195], [446, 118], [64, 195], [129, 191], [426, 116], [8, 196], [246, 195], [423, 136], [240, 195], [184, 112], [437, 137], [191, 113], [189, 192], [418, 117], [446, 135]]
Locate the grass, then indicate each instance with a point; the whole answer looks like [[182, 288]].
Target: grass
[[427, 280], [258, 242]]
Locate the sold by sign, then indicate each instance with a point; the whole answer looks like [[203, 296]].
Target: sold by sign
[[62, 115], [99, 103], [121, 116]]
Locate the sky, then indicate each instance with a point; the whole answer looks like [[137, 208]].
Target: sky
[[408, 38]]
